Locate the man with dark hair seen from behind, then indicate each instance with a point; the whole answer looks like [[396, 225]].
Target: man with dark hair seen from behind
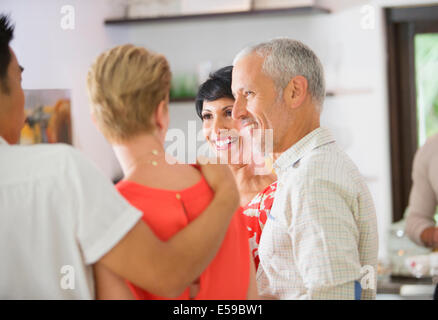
[[12, 96]]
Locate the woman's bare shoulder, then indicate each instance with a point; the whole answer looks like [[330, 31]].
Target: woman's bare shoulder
[[167, 176]]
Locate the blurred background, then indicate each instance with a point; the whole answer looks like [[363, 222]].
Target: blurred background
[[380, 59]]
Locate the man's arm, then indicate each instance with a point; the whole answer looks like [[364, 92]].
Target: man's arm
[[168, 268], [325, 237]]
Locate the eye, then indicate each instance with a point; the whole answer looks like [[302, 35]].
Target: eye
[[228, 113], [206, 116], [248, 93]]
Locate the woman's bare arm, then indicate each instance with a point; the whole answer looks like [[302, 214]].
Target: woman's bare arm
[[110, 286], [168, 268]]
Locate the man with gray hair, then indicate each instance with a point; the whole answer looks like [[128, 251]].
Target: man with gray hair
[[320, 240]]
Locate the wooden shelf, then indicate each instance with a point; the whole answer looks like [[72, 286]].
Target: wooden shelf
[[179, 100], [349, 91], [296, 10]]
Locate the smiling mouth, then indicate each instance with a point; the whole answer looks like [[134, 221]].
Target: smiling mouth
[[224, 144]]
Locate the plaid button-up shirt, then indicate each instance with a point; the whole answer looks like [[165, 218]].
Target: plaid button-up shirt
[[321, 235]]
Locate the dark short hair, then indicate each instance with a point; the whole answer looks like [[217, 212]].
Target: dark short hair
[[6, 35], [217, 86]]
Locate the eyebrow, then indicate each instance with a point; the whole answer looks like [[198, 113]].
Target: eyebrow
[[207, 109]]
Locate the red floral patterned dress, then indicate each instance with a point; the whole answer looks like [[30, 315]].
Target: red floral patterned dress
[[256, 212]]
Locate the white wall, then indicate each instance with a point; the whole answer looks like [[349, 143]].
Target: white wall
[[54, 58], [57, 58]]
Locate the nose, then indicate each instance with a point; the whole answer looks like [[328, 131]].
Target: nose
[[239, 108], [218, 125]]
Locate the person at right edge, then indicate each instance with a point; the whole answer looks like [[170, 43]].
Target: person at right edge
[[423, 200]]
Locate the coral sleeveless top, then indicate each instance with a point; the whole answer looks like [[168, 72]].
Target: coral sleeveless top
[[166, 212]]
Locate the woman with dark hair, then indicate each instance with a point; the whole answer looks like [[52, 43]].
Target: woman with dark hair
[[214, 105]]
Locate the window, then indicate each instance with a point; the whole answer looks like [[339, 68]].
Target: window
[[426, 78], [412, 35]]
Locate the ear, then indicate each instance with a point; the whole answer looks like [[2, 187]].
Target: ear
[[295, 92], [162, 116]]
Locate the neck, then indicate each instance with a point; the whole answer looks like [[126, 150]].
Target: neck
[[305, 121], [137, 151], [10, 136]]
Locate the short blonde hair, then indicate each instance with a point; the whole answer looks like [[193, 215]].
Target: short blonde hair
[[125, 86]]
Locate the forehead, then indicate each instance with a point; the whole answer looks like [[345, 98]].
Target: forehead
[[218, 104], [248, 71]]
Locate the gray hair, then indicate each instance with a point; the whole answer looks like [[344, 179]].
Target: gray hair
[[286, 58]]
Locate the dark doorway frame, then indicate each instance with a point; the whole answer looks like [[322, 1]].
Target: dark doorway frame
[[402, 24]]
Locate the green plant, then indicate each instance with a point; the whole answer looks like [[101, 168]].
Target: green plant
[[426, 66]]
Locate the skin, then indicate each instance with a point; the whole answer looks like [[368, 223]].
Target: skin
[[218, 125], [217, 119], [163, 268], [12, 114], [430, 237], [258, 105], [135, 158]]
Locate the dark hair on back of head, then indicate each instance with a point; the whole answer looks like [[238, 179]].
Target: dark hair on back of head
[[6, 35], [217, 86]]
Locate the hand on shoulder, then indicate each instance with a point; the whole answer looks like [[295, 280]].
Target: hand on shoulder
[[220, 179]]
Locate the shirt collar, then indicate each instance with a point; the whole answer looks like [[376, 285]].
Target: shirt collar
[[3, 141], [311, 141]]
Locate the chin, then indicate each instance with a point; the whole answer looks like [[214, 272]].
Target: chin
[[223, 157]]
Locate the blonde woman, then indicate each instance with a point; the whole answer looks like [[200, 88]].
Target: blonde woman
[[129, 91]]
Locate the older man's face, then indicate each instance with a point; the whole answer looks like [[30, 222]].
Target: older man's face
[[256, 104]]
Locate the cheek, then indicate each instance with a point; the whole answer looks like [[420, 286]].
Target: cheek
[[235, 128], [266, 111], [234, 124], [167, 119], [256, 113], [256, 105], [229, 124], [206, 130], [18, 104]]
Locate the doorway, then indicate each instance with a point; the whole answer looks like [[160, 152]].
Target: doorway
[[412, 36]]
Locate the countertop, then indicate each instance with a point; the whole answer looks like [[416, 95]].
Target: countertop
[[404, 288]]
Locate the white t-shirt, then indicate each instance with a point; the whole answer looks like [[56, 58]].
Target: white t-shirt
[[58, 216]]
